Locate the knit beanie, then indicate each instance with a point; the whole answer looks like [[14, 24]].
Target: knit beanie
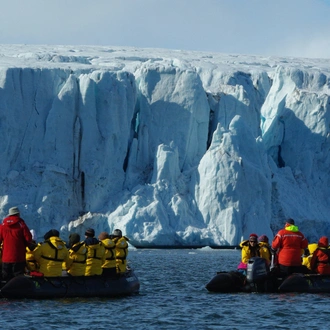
[[253, 237]]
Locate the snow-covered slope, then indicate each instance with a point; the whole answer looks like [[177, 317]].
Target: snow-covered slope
[[172, 147]]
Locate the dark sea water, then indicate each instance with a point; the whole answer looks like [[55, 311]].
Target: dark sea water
[[173, 296]]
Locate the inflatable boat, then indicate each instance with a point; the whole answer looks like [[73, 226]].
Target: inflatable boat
[[36, 287], [259, 278]]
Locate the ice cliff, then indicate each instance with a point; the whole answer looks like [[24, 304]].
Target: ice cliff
[[175, 148]]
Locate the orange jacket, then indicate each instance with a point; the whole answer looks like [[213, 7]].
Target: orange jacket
[[289, 242]]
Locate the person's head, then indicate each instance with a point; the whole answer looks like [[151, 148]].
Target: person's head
[[263, 238], [103, 235], [73, 239], [51, 233], [289, 222], [14, 211], [253, 240], [323, 242], [90, 232], [117, 233]]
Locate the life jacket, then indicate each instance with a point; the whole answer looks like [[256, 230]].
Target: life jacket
[[50, 255], [121, 253], [110, 253], [76, 266], [95, 257]]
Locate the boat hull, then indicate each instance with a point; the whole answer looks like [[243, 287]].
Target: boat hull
[[299, 283], [306, 283], [31, 287]]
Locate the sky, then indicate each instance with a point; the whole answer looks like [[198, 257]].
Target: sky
[[257, 27]]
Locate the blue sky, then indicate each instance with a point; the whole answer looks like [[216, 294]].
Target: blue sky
[[261, 27]]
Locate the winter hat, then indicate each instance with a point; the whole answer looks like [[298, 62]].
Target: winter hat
[[51, 233], [34, 234], [253, 237], [323, 242], [290, 221], [263, 238], [117, 233], [103, 235], [90, 232], [73, 239], [13, 210]]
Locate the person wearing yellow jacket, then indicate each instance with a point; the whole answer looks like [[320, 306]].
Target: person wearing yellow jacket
[[264, 248], [121, 250], [109, 265], [51, 254], [250, 248], [31, 263], [95, 254], [308, 254], [76, 266]]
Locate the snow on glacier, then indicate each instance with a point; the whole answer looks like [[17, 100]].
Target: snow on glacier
[[175, 148]]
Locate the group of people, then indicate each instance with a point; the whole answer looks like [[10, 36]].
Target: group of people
[[290, 250], [21, 253]]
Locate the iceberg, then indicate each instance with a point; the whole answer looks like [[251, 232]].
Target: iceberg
[[175, 148]]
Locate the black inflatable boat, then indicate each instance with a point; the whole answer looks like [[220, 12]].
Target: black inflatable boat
[[259, 278], [35, 287]]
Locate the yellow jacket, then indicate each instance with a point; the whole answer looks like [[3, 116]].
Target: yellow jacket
[[121, 253], [110, 253], [50, 255], [264, 250], [31, 263], [306, 260], [76, 266], [247, 252], [95, 257]]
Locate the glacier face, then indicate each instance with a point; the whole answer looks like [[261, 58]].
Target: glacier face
[[175, 148]]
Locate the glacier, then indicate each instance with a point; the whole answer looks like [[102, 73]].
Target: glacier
[[175, 148]]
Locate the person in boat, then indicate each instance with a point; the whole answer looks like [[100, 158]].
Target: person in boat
[[76, 266], [31, 263], [109, 265], [95, 254], [289, 243], [308, 254], [320, 262], [264, 248], [15, 236], [121, 243], [250, 248], [51, 254]]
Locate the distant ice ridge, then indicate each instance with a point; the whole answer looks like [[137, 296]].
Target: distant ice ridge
[[174, 148]]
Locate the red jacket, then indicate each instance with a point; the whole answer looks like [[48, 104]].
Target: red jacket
[[289, 241], [15, 236], [320, 261]]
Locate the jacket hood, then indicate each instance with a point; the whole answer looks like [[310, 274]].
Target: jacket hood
[[11, 220], [79, 248], [108, 243], [293, 228], [57, 242], [91, 241], [323, 242]]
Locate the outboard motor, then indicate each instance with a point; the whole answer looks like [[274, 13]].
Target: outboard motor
[[257, 274]]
